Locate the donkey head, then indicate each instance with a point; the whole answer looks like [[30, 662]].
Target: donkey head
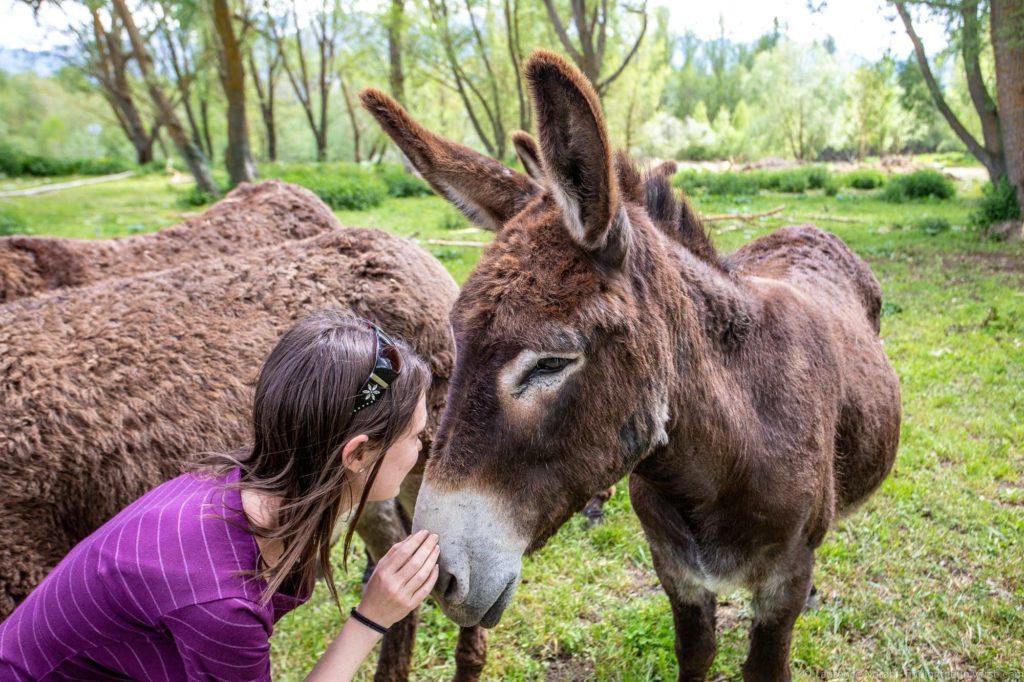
[[563, 351]]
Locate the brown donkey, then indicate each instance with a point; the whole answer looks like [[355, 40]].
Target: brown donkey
[[748, 397]]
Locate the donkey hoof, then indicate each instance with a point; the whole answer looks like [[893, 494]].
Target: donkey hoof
[[594, 517]]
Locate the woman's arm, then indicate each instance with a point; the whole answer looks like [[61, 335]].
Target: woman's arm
[[402, 580]]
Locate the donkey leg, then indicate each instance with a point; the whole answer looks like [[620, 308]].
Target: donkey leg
[[693, 613], [777, 603], [470, 654]]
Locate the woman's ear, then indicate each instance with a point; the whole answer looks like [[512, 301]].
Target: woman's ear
[[354, 457]]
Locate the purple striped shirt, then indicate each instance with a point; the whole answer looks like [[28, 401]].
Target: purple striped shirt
[[154, 594]]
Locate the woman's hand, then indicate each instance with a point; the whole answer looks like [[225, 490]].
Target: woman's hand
[[402, 580]]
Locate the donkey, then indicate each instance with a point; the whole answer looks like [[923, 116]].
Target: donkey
[[748, 397], [249, 217]]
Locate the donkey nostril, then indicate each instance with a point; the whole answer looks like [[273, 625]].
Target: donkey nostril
[[451, 590], [444, 578]]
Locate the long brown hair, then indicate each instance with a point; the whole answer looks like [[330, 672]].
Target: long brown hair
[[302, 418]]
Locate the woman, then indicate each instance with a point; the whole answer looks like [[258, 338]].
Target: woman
[[188, 581]]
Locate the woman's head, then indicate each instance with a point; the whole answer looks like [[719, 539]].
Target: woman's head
[[328, 437]]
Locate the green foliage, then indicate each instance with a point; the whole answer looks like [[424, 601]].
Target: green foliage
[[729, 183], [11, 222], [933, 225], [400, 182], [14, 163], [195, 198], [340, 185], [919, 185], [719, 184], [863, 178], [998, 203]]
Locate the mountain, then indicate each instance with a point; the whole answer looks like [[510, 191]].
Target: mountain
[[43, 62]]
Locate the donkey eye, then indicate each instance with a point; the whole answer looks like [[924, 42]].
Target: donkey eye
[[551, 365]]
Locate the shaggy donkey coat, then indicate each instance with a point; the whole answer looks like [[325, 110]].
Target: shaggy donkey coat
[[106, 389], [249, 217], [749, 397]]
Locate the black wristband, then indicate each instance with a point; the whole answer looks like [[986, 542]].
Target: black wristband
[[368, 623]]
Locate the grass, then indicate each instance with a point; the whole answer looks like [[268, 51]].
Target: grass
[[926, 581]]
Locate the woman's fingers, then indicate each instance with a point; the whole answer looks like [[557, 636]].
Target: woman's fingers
[[413, 564], [416, 580], [400, 552], [427, 586]]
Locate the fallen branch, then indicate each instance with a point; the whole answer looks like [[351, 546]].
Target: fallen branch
[[53, 187], [834, 219], [745, 217]]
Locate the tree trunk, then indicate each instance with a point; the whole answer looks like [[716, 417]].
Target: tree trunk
[[351, 109], [109, 66], [396, 25], [993, 162], [241, 167], [193, 156], [1008, 44]]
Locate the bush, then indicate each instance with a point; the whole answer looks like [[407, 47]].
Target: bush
[[727, 183], [919, 185], [831, 187], [933, 226], [15, 163], [195, 198], [342, 186], [818, 177], [11, 222], [400, 182], [998, 203], [864, 178], [790, 182]]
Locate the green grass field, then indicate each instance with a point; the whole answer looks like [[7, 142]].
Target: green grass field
[[926, 581]]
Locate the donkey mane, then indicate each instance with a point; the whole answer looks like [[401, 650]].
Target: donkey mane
[[668, 208]]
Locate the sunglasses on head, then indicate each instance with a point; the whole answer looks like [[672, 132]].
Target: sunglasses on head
[[386, 369]]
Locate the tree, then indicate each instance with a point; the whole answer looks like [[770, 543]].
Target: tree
[[796, 88], [1001, 149], [193, 156], [480, 93], [241, 167], [261, 51], [877, 121], [306, 83], [590, 21], [1008, 45], [106, 60]]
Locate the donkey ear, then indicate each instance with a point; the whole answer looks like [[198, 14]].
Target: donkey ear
[[488, 192], [577, 157], [529, 154]]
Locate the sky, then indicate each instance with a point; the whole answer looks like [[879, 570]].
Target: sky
[[861, 28]]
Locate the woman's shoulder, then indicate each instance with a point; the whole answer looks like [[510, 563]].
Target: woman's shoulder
[[190, 535]]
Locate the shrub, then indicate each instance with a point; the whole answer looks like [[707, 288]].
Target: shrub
[[831, 187], [11, 222], [195, 198], [933, 226], [727, 183], [818, 177], [14, 163], [400, 182], [864, 178], [342, 186], [919, 185], [998, 203], [791, 182]]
